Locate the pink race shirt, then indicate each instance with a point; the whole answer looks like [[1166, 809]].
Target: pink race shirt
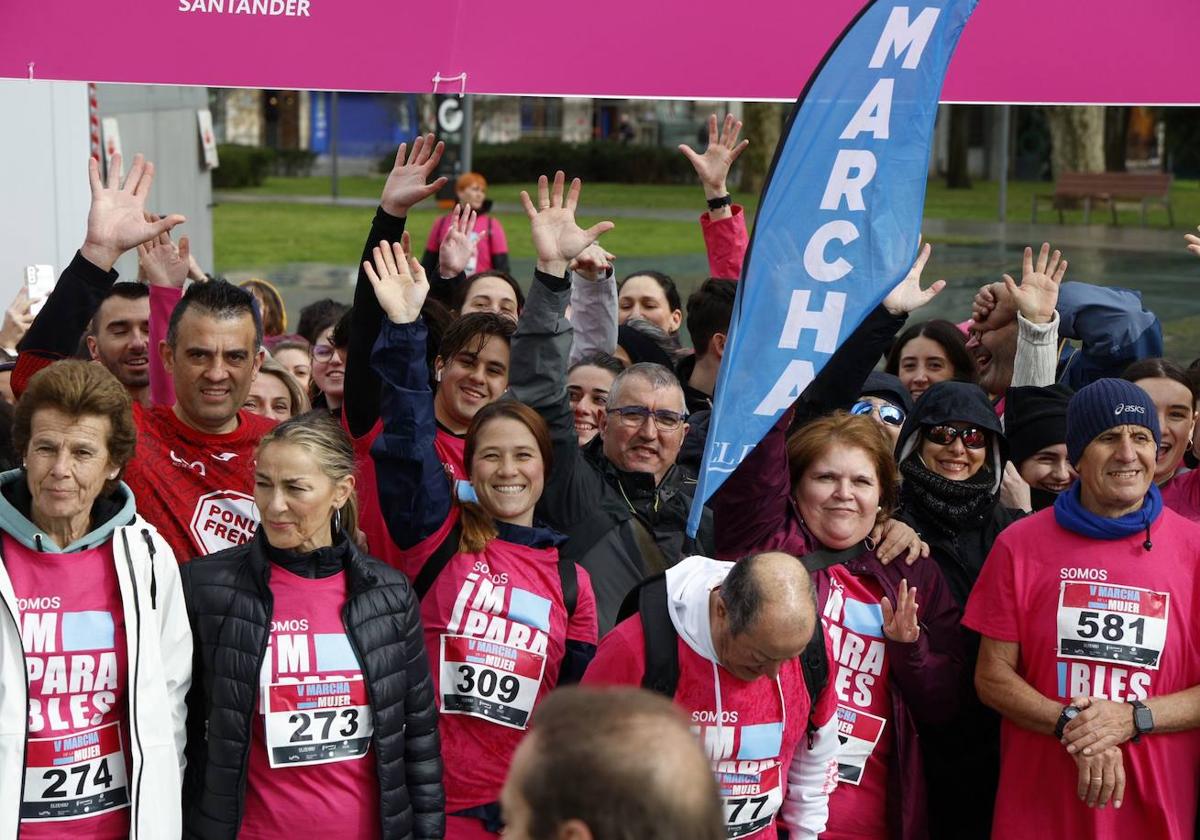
[[859, 673], [1182, 494], [77, 762], [487, 239], [311, 762], [762, 723], [496, 629], [1103, 619]]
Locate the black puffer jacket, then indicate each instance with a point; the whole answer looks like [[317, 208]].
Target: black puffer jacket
[[230, 606]]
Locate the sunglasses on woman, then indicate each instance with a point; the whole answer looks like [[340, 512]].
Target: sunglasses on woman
[[971, 437], [888, 413]]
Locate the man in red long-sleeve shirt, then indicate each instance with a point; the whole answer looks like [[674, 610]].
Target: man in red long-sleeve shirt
[[193, 474]]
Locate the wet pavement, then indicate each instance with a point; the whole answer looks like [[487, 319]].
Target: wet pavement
[[966, 254]]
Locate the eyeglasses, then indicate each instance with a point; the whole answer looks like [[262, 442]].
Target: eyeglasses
[[323, 352], [888, 413], [633, 416], [971, 437]]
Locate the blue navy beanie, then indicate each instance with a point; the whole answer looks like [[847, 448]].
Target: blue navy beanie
[[1103, 405]]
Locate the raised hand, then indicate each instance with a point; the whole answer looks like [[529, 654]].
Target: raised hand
[[408, 183], [723, 150], [457, 248], [1193, 242], [399, 281], [556, 237], [1037, 295], [900, 624], [908, 295], [117, 217], [1014, 491], [17, 319], [162, 263], [593, 263]]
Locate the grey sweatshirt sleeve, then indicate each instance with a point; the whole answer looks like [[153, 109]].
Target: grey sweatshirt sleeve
[[1037, 352], [593, 315]]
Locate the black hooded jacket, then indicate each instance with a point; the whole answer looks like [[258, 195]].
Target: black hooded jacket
[[230, 606], [959, 552]]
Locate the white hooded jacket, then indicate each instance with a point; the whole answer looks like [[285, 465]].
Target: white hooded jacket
[[159, 643], [812, 773]]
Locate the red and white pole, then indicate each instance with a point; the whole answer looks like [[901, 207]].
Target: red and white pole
[[94, 121]]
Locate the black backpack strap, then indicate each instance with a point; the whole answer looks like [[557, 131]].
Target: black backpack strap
[[814, 664], [437, 561], [662, 642], [823, 558], [569, 577]]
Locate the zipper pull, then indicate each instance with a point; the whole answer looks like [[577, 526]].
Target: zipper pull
[[153, 574]]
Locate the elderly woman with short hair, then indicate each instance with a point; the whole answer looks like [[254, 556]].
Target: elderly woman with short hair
[[90, 592]]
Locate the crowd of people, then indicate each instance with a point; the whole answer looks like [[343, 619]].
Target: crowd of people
[[344, 578]]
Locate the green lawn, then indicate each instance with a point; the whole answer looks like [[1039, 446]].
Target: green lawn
[[250, 236], [267, 234]]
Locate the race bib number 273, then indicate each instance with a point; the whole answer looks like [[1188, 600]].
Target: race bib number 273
[[1108, 623], [318, 722]]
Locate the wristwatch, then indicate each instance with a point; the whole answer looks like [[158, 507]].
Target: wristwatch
[[1069, 713], [1143, 719]]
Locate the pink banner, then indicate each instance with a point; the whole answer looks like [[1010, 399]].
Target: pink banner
[[1020, 51]]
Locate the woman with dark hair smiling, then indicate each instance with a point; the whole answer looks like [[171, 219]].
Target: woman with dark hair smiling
[[1174, 396], [952, 453], [491, 581], [930, 352]]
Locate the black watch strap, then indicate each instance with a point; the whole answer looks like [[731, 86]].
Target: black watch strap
[[1069, 713], [1143, 720], [717, 203]]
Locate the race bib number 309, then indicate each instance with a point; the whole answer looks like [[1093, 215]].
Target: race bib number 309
[[1109, 623], [489, 680], [318, 722], [77, 776]]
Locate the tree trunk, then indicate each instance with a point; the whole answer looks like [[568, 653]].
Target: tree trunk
[[958, 175], [762, 125], [1116, 133], [1076, 138]]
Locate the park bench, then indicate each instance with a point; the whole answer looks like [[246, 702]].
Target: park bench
[[1109, 188]]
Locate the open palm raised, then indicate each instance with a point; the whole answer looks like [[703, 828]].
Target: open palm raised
[[556, 237], [398, 280]]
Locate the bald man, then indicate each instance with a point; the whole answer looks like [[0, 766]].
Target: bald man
[[607, 764], [738, 631]]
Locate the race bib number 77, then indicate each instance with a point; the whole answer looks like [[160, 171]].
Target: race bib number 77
[[1107, 623]]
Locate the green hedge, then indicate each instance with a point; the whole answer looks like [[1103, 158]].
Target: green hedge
[[525, 160], [294, 162], [242, 166]]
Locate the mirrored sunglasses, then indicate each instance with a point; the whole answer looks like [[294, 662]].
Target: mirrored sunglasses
[[888, 413], [971, 437]]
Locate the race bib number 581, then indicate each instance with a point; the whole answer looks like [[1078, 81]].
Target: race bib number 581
[[1108, 623]]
